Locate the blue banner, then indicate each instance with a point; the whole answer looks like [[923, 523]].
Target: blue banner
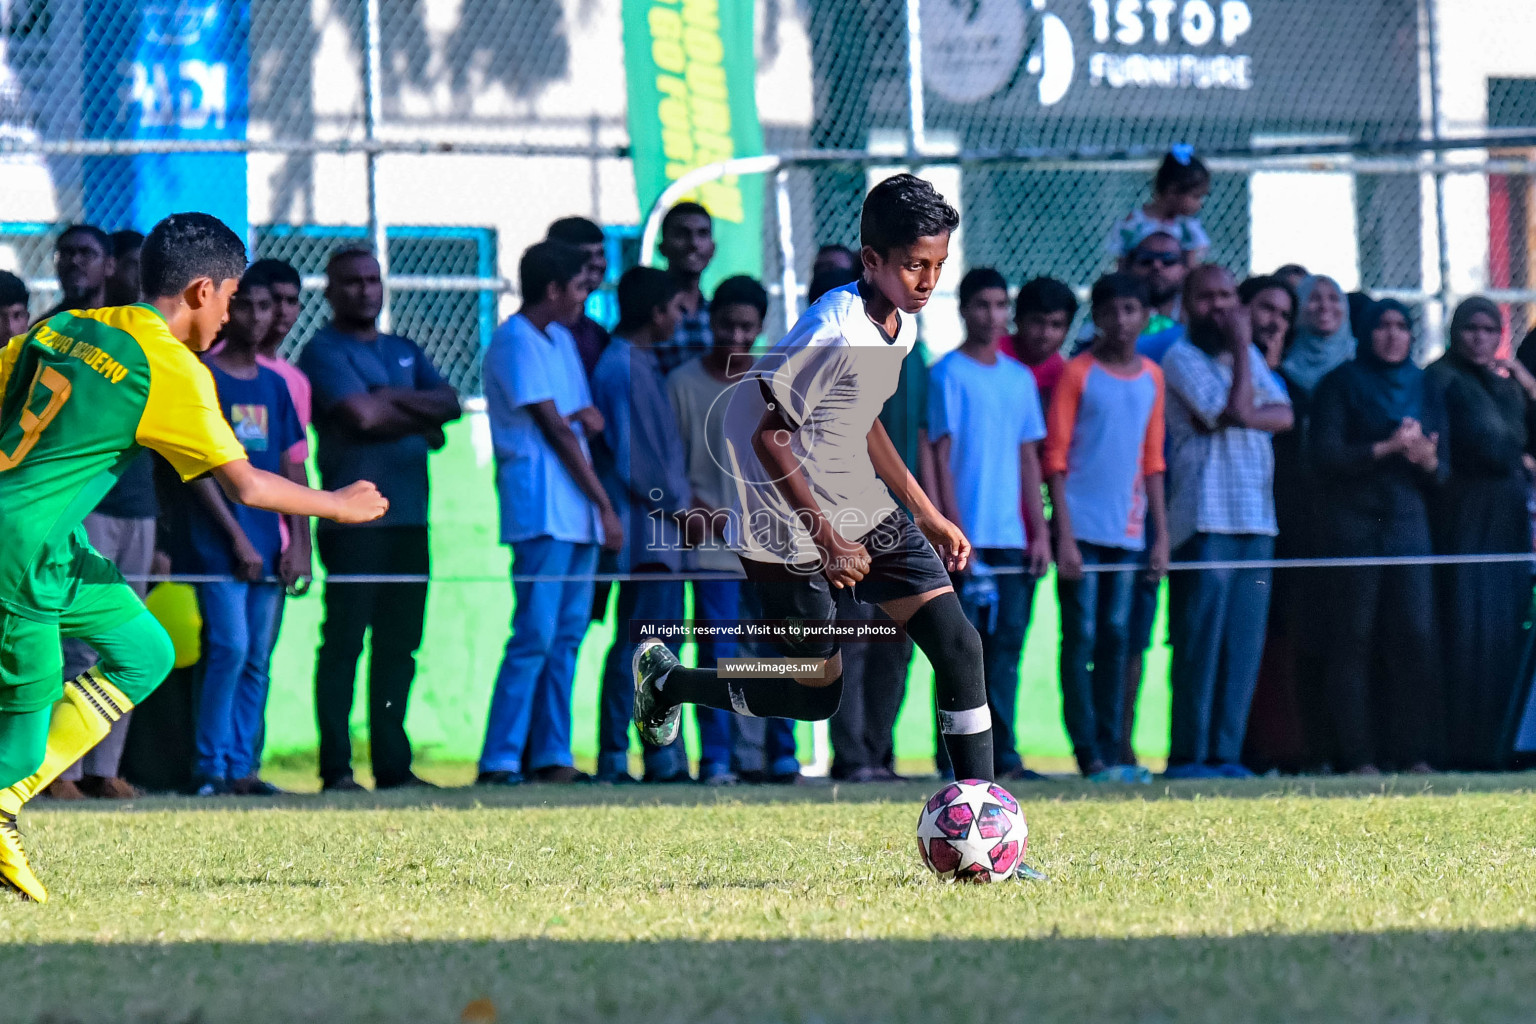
[[166, 69]]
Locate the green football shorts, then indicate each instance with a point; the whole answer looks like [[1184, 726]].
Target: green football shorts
[[31, 662]]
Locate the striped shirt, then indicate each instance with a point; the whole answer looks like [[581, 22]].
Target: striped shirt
[[1220, 478]]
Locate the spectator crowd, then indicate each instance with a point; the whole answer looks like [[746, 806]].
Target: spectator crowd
[[1191, 421]]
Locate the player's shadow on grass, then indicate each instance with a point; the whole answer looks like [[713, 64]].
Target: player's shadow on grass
[[1395, 976], [1339, 787]]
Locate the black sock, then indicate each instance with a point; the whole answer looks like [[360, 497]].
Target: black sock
[[760, 698], [943, 633]]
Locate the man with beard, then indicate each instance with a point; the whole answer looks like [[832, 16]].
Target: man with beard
[[379, 406], [82, 259], [1272, 307], [1223, 406]]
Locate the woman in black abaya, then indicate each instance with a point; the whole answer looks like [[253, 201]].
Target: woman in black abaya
[[1378, 442], [1482, 510]]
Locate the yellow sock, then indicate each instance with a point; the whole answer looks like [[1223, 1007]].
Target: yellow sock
[[81, 719]]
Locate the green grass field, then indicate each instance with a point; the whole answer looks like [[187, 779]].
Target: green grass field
[[1392, 901]]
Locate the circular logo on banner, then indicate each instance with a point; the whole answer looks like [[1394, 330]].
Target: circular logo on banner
[[1053, 61], [972, 48]]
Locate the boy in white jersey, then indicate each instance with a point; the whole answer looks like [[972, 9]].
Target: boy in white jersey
[[809, 455]]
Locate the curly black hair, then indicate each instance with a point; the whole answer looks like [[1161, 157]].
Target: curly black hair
[[186, 246], [902, 209]]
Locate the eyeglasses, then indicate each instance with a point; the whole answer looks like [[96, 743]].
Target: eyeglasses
[[1166, 259]]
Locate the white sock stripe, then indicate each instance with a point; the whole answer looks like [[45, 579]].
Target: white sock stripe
[[965, 723]]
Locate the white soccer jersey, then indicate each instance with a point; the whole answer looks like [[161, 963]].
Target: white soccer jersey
[[830, 377]]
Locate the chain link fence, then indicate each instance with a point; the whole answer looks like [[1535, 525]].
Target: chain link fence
[[448, 133]]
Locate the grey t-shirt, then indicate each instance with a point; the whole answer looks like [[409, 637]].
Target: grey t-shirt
[[829, 378], [339, 366]]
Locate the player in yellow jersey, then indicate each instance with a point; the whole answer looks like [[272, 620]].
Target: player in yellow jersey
[[80, 393]]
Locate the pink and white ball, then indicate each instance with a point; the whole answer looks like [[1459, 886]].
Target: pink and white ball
[[972, 831]]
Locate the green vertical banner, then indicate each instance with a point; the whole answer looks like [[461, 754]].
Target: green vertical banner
[[692, 101]]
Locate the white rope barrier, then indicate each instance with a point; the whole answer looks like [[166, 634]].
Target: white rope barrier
[[1000, 570]]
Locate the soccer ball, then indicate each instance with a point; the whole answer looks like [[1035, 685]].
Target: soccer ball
[[972, 831]]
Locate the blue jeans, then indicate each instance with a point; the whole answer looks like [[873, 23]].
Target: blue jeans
[[761, 746], [764, 746], [1143, 617], [239, 629], [529, 726], [643, 600], [1095, 641], [718, 600], [1001, 648], [1218, 619]]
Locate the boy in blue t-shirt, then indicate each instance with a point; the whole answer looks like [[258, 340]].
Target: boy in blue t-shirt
[[986, 424], [218, 538]]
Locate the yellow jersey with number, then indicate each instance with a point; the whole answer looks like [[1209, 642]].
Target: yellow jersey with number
[[80, 393]]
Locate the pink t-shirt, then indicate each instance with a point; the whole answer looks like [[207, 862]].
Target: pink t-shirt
[[301, 393], [1047, 371]]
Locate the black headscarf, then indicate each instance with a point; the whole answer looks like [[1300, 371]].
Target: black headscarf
[[1467, 309], [1394, 390], [1471, 307]]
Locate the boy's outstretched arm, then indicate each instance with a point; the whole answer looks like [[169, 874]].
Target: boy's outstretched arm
[[244, 483], [945, 536]]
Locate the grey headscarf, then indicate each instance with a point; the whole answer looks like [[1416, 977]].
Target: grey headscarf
[[1312, 355]]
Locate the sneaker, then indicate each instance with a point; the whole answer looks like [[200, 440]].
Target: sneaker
[[562, 774], [109, 789], [15, 871], [253, 785], [1233, 771], [866, 773], [345, 784], [1125, 774], [211, 787], [1175, 772], [658, 723], [1111, 776], [499, 778], [63, 789]]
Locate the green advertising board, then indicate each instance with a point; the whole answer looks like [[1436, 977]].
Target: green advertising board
[[690, 67]]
